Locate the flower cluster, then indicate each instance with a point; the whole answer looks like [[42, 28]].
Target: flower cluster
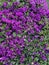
[[19, 25]]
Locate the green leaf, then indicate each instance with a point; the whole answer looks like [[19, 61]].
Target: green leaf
[[14, 34], [1, 33], [36, 59], [1, 39], [1, 63]]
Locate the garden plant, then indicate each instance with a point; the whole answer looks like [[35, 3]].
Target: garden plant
[[24, 32]]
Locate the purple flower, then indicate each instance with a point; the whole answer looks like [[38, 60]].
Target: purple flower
[[47, 13], [43, 57], [5, 4], [22, 59], [36, 63]]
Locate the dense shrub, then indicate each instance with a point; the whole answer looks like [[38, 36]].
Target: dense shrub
[[20, 25]]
